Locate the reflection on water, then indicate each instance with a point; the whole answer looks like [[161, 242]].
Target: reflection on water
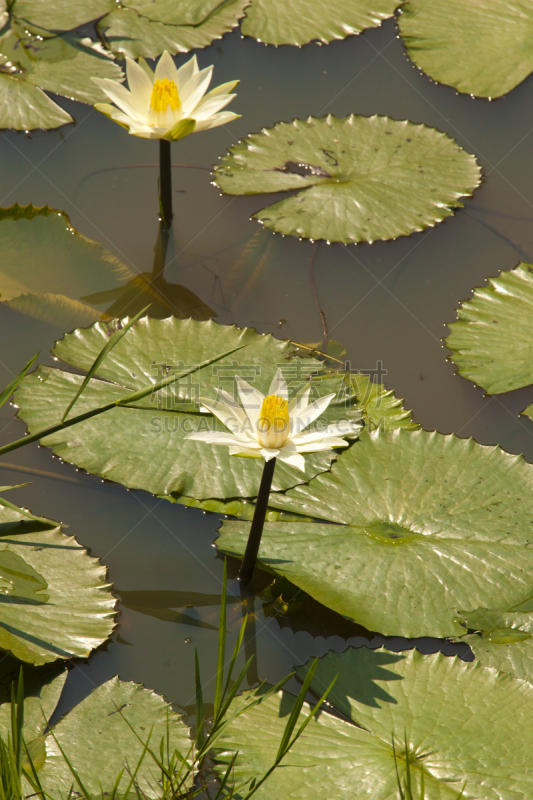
[[385, 302]]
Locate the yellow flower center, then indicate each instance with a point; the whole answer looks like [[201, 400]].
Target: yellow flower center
[[273, 425], [164, 97]]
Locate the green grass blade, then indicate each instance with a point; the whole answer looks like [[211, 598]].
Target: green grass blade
[[104, 352], [236, 651], [19, 721], [33, 779], [221, 645], [296, 709], [408, 785], [85, 794], [135, 396], [314, 711], [13, 507], [122, 402], [225, 779], [10, 388], [402, 793], [287, 742], [200, 729]]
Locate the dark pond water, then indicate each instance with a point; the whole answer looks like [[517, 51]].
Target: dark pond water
[[387, 302]]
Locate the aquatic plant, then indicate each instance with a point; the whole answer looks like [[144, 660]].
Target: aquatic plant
[[271, 428]]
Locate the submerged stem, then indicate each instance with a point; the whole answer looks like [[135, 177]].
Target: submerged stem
[[258, 521], [165, 208], [165, 183]]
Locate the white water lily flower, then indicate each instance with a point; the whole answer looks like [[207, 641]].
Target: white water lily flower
[[168, 104], [271, 427]]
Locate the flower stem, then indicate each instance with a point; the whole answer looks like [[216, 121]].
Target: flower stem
[[258, 521], [165, 183]]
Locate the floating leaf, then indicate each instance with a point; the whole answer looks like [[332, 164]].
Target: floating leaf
[[437, 704], [378, 407], [146, 447], [491, 342], [424, 525], [70, 266], [27, 212], [95, 735], [55, 309], [25, 107], [61, 15], [146, 28], [481, 47], [98, 726], [301, 21], [62, 64], [365, 178], [54, 598], [503, 640], [42, 689]]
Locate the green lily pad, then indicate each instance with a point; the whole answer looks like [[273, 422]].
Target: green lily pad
[[482, 47], [61, 15], [491, 342], [61, 64], [54, 598], [378, 407], [503, 640], [424, 525], [301, 21], [437, 704], [146, 447], [42, 689], [97, 726], [365, 178], [70, 266], [147, 28], [96, 738]]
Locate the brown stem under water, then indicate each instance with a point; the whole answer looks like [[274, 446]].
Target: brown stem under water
[[315, 295]]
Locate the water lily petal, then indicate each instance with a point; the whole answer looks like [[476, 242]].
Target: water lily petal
[[246, 452], [232, 417], [325, 444], [204, 125], [144, 131], [340, 428], [195, 89], [308, 415], [149, 71], [300, 400], [139, 84], [166, 69], [251, 400], [181, 129], [279, 385], [121, 97], [224, 88], [113, 113], [186, 72], [214, 437], [209, 109], [218, 119], [233, 406], [269, 454], [293, 460]]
